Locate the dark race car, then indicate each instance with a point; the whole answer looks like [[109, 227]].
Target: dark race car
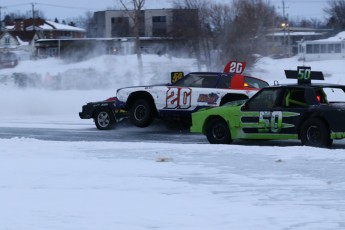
[[8, 60], [176, 100], [313, 113]]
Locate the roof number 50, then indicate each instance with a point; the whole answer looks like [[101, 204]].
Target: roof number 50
[[304, 73]]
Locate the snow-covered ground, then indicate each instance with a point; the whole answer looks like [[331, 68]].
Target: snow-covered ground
[[125, 185]]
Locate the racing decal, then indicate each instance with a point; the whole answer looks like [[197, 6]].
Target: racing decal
[[235, 67], [270, 122], [178, 98], [266, 121], [210, 99], [337, 135], [175, 76]]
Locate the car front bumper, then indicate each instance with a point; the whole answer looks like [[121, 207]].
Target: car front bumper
[[87, 111]]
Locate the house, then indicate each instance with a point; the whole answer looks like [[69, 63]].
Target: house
[[332, 48], [48, 29], [18, 41], [284, 40], [22, 34], [83, 48]]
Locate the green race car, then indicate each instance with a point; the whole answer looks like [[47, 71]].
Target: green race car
[[313, 113]]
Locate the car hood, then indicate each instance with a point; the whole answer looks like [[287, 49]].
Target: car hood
[[111, 99], [143, 86], [337, 105], [232, 104]]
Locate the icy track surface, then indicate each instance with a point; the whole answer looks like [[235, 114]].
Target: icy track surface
[[104, 185]]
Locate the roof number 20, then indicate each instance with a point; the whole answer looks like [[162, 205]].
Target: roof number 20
[[236, 67]]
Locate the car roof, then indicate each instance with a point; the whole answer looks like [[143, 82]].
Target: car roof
[[209, 73], [313, 85], [218, 73]]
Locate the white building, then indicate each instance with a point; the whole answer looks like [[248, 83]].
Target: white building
[[284, 41], [153, 23], [332, 48]]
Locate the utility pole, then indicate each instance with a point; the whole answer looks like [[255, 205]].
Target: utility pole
[[284, 10], [0, 20], [33, 16], [1, 7], [285, 25]]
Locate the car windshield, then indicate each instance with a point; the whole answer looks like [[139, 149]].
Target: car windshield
[[202, 80], [333, 94], [255, 83]]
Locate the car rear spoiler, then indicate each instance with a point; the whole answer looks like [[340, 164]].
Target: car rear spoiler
[[304, 75]]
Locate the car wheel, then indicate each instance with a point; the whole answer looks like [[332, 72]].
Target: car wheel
[[141, 113], [217, 132], [104, 119], [315, 132]]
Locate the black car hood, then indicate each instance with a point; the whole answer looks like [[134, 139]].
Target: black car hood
[[338, 105]]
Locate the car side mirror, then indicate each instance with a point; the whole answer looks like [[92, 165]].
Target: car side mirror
[[244, 107]]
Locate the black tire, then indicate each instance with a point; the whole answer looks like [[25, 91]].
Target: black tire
[[104, 119], [314, 132], [217, 131], [141, 113]]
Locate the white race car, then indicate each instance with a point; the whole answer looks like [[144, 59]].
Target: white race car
[[176, 100]]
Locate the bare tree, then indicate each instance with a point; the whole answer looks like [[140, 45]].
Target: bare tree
[[218, 19], [307, 23], [197, 36], [244, 35], [336, 13], [230, 31], [86, 22], [133, 8]]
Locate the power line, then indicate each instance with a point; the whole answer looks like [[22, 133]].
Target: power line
[[308, 1], [22, 4], [44, 4], [61, 6]]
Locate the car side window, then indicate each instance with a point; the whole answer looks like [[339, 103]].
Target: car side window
[[208, 82], [197, 80], [295, 98], [264, 100], [190, 80], [224, 82]]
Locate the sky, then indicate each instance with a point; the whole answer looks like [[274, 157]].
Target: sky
[[153, 185], [64, 9]]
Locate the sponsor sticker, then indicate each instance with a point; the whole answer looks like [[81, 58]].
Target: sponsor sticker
[[210, 98]]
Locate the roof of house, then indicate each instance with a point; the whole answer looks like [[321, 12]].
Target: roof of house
[[22, 37], [293, 33], [49, 25], [25, 36], [41, 24], [339, 37], [297, 31]]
